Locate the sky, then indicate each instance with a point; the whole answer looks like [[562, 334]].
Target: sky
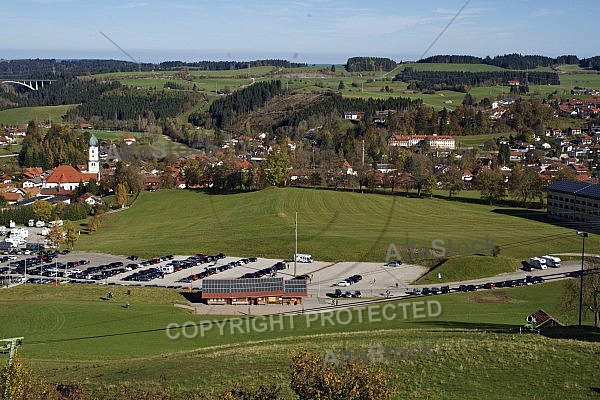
[[306, 31]]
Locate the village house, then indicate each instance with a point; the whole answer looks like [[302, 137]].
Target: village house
[[67, 178], [353, 115], [89, 199], [444, 142]]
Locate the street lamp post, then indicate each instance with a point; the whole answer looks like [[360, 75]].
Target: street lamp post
[[583, 236]]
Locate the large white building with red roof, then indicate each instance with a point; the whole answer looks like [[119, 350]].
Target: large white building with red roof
[[68, 178], [445, 142]]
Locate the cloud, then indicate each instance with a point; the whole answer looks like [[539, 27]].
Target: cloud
[[131, 5], [541, 13]]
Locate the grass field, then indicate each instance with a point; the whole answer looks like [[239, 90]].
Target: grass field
[[331, 225], [73, 335], [21, 116]]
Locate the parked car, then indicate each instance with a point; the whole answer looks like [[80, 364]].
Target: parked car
[[463, 288], [357, 293], [426, 291], [445, 289], [416, 291], [337, 293], [348, 294], [343, 283], [471, 288], [436, 290], [489, 285]]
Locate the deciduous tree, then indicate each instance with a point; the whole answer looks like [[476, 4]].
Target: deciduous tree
[[121, 195], [70, 233], [311, 378], [42, 210], [491, 184], [56, 236], [591, 294], [452, 180]]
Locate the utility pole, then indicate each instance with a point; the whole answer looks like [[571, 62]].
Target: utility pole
[[296, 250], [11, 345], [583, 236]]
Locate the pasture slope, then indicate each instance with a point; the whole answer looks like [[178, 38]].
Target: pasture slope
[[72, 335], [332, 226]]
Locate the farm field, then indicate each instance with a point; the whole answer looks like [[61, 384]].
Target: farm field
[[22, 115], [332, 225], [73, 335]]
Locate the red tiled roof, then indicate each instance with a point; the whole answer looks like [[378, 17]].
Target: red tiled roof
[[68, 174], [11, 196]]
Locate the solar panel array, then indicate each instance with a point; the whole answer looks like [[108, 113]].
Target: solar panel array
[[295, 286], [579, 188], [224, 286]]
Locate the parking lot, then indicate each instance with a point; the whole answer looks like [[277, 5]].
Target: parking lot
[[187, 273]]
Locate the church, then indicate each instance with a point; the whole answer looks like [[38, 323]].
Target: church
[[67, 178]]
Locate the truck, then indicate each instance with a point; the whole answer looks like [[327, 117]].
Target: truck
[[304, 258], [537, 262], [552, 261]]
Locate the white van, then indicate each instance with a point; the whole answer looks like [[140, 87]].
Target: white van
[[304, 258], [552, 261], [167, 269], [537, 262]]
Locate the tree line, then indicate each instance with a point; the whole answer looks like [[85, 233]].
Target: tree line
[[462, 80], [508, 61], [228, 65], [128, 103], [51, 68], [362, 64]]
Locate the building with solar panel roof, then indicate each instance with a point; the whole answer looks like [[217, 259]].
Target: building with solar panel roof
[[254, 291], [574, 202]]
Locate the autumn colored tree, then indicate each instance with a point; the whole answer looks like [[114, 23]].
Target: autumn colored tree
[[311, 378], [70, 233], [42, 210], [121, 195], [56, 236]]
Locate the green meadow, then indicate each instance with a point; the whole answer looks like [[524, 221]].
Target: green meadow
[[72, 335], [332, 225], [21, 116]]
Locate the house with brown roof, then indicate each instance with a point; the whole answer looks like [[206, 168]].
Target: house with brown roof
[[90, 199], [67, 178], [32, 172], [541, 319], [12, 197]]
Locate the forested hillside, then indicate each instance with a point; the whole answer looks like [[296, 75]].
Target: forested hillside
[[459, 80], [59, 145], [225, 109], [362, 64], [508, 61]]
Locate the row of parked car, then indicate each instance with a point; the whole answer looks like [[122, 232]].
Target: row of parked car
[[350, 280], [528, 280], [215, 269], [338, 293], [268, 271]]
